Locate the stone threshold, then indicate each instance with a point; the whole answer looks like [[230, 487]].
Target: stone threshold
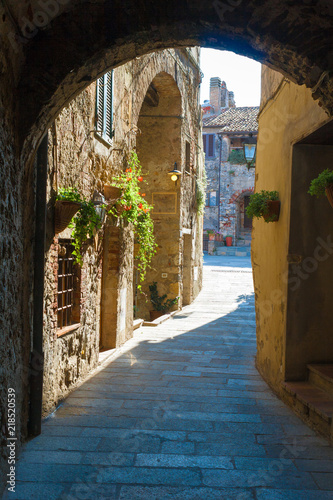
[[160, 320]]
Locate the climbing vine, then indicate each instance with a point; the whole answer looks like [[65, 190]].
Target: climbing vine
[[134, 208]]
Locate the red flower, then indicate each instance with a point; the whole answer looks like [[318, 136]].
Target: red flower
[[140, 179], [128, 170], [143, 194], [140, 205], [128, 208], [129, 178]]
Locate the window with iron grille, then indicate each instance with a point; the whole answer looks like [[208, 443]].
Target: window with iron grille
[[209, 145], [68, 287], [104, 106]]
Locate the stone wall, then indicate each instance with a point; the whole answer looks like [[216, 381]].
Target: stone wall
[[79, 158]]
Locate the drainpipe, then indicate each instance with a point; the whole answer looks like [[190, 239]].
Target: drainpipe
[[219, 197], [37, 355]]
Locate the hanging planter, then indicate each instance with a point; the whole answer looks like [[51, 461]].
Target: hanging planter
[[112, 194], [273, 211], [64, 212], [265, 204], [329, 194], [323, 184]]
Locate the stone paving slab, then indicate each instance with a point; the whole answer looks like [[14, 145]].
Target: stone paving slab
[[180, 413]]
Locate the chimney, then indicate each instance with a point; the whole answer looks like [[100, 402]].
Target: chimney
[[224, 96], [232, 103], [215, 93]]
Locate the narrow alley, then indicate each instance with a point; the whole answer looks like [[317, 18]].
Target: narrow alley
[[180, 412]]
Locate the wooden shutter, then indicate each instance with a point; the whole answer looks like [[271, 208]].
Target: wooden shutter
[[205, 143], [100, 105], [211, 145], [108, 105], [104, 105]]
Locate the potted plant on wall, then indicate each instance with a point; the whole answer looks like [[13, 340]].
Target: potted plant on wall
[[160, 303], [264, 204], [68, 202], [211, 234], [323, 185], [228, 240]]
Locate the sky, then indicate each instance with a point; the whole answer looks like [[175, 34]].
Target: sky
[[242, 75]]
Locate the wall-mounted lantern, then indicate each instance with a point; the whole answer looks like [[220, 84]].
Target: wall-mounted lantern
[[249, 147], [100, 204], [175, 173]]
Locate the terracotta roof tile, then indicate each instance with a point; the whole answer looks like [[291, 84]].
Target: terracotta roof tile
[[234, 120]]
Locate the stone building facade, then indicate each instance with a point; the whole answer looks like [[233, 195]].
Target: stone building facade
[[154, 109], [39, 75], [151, 106], [229, 181]]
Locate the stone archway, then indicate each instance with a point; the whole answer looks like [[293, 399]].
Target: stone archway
[[243, 223], [159, 146], [51, 62], [51, 53]]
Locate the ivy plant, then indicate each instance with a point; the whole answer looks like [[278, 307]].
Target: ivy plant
[[201, 186], [133, 208], [258, 206], [69, 194], [320, 183], [161, 303], [84, 223]]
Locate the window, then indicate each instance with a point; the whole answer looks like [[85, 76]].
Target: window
[[212, 199], [104, 106], [188, 157], [209, 144], [68, 280]]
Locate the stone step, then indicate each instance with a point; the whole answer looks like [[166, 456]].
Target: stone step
[[234, 251], [314, 404], [321, 375]]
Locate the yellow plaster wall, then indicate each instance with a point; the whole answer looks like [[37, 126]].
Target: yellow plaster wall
[[288, 113]]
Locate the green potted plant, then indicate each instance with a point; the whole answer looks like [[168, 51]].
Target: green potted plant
[[323, 184], [264, 204], [160, 303], [68, 202], [211, 234], [228, 240]]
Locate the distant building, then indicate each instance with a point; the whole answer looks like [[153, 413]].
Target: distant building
[[229, 181]]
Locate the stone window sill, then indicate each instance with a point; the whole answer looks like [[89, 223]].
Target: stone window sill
[[67, 329], [103, 139]]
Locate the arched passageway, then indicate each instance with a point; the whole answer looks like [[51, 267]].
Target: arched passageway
[[50, 60], [51, 53]]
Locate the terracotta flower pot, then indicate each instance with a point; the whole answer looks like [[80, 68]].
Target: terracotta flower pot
[[112, 193], [228, 240], [329, 194], [155, 314], [273, 211], [211, 237], [64, 212]]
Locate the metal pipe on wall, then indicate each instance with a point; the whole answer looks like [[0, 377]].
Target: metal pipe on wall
[[37, 355]]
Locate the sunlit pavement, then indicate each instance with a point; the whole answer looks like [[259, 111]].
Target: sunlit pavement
[[181, 414]]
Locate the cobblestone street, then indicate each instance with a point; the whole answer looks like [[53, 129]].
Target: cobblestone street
[[181, 413]]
